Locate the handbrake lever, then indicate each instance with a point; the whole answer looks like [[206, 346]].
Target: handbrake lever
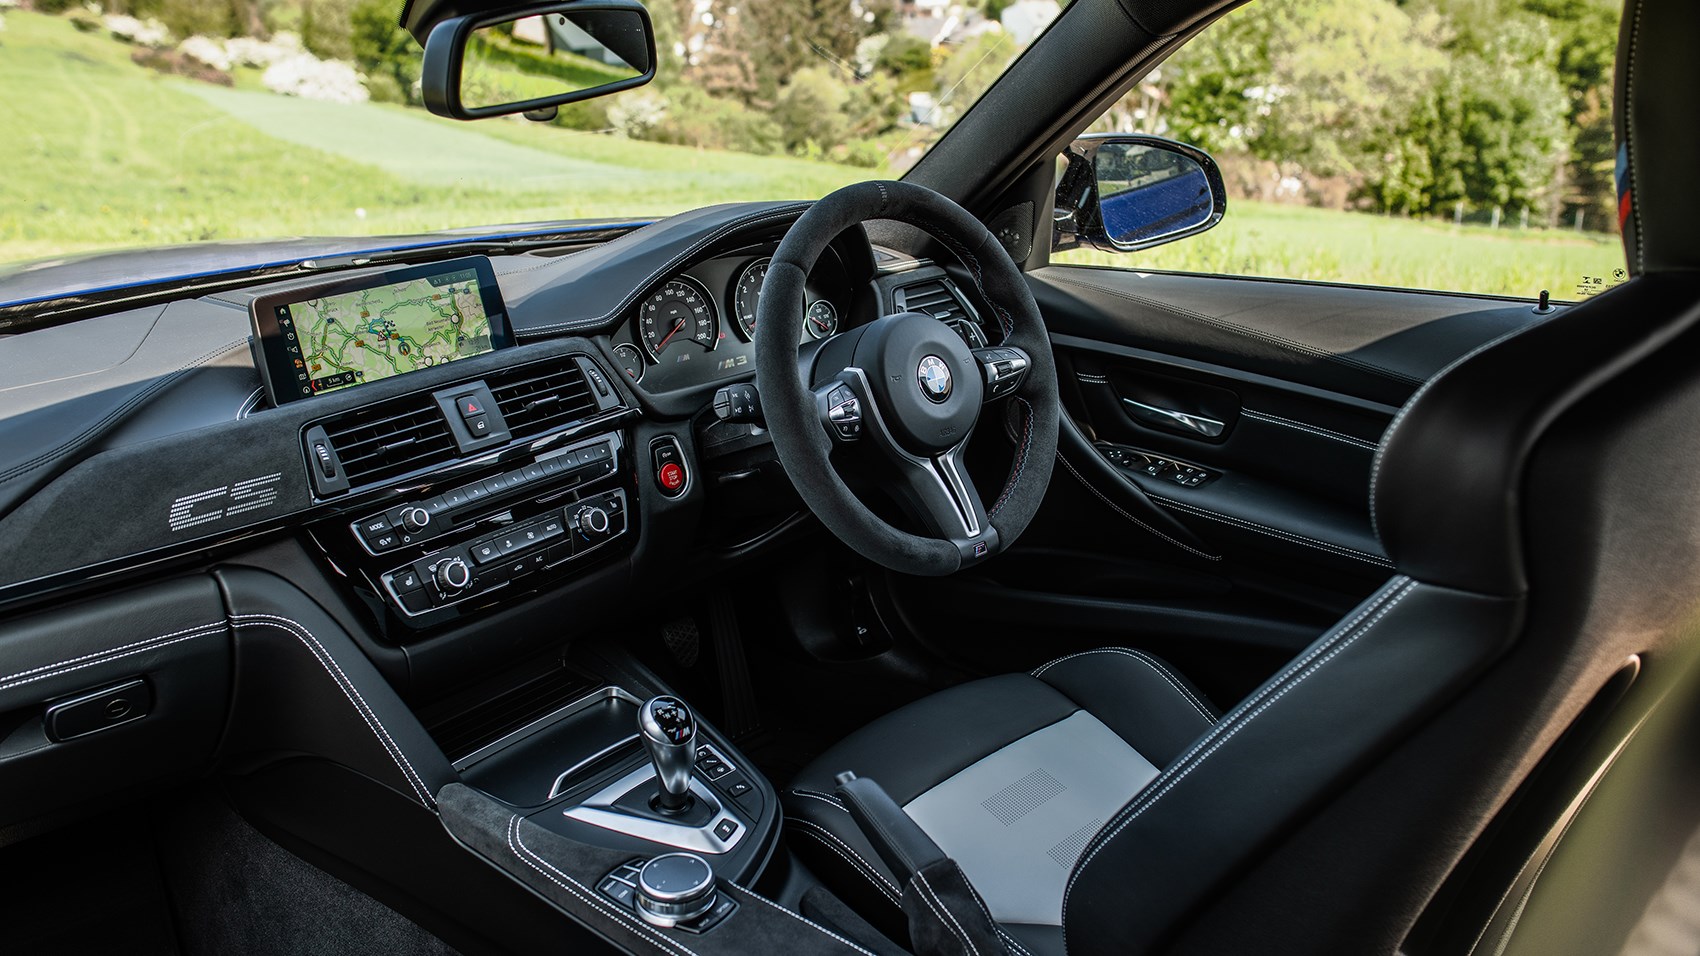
[[897, 838], [934, 887]]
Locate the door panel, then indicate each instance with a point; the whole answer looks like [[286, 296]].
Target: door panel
[[1275, 394]]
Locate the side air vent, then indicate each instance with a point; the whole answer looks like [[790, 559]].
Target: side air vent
[[940, 299], [390, 439], [537, 398]]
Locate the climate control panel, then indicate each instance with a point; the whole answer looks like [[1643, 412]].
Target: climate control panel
[[496, 560], [542, 515]]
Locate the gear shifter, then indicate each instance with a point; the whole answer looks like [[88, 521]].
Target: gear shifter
[[669, 732]]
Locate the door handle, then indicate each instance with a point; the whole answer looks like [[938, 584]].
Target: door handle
[[1151, 414]]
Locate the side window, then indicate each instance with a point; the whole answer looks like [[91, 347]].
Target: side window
[[1456, 145]]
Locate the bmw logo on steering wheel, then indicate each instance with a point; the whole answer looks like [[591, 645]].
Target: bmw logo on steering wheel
[[934, 376]]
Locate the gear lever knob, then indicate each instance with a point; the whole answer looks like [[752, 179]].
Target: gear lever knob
[[669, 732]]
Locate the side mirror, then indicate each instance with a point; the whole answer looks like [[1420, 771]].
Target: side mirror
[[533, 59], [1125, 192]]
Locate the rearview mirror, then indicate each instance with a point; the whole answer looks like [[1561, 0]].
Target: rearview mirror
[[1125, 192], [533, 59]]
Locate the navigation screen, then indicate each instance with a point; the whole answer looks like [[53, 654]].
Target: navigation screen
[[340, 336]]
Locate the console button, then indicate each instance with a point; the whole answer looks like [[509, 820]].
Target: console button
[[669, 462], [725, 828], [418, 601], [510, 543], [406, 580], [617, 891], [470, 406], [374, 526], [485, 551], [552, 528], [385, 542], [478, 426], [533, 471]]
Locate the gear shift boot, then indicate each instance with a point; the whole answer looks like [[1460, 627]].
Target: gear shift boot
[[641, 800]]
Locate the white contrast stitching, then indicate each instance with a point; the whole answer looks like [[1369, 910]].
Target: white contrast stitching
[[799, 918], [1273, 532], [1148, 661], [749, 222], [827, 840], [1118, 510], [1295, 675], [822, 797], [943, 912], [1093, 379], [140, 650], [525, 855], [1313, 429], [328, 661], [1011, 941], [11, 680]]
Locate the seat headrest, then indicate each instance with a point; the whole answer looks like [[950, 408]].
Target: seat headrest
[[1658, 141]]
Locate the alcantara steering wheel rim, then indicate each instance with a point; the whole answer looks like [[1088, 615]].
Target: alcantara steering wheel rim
[[885, 379]]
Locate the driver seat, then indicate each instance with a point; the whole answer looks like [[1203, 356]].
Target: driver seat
[[1539, 502], [1011, 776]]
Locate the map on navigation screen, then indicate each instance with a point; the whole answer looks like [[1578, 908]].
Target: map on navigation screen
[[358, 337]]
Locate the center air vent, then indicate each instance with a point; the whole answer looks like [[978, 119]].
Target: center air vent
[[537, 398], [939, 299], [390, 439]]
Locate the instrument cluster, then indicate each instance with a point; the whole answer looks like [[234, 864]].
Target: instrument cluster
[[699, 326]]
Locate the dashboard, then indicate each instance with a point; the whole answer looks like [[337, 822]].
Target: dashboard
[[568, 439]]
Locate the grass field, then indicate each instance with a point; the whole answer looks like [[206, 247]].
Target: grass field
[[100, 153], [1293, 242]]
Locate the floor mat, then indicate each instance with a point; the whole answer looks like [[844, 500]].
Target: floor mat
[[235, 891]]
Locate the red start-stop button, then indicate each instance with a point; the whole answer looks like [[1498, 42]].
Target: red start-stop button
[[671, 476]]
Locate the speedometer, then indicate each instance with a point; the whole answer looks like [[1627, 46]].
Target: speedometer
[[745, 296], [679, 312]]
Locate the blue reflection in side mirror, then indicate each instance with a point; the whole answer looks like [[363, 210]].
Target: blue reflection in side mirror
[[1146, 192]]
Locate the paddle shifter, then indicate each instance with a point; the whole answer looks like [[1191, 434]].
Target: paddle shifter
[[669, 732]]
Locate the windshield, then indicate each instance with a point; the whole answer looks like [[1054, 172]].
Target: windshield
[[155, 122]]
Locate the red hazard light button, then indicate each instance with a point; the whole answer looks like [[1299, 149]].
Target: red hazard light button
[[671, 476]]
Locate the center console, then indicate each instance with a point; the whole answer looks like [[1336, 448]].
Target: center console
[[640, 780]]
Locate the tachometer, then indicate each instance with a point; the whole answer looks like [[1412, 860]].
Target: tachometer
[[746, 294], [680, 311]]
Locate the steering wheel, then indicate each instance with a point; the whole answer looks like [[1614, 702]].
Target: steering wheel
[[910, 387]]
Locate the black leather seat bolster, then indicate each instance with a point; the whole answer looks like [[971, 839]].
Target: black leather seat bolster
[[1156, 710]]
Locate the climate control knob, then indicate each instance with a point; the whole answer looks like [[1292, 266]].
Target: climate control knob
[[592, 521], [415, 519], [453, 576]]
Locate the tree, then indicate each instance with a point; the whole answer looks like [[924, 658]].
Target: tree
[[384, 51]]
